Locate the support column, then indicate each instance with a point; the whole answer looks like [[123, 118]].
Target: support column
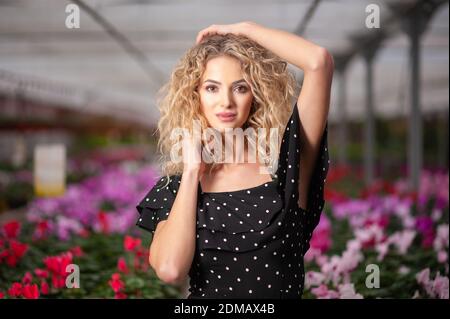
[[369, 53], [415, 145], [341, 63], [342, 115], [414, 22]]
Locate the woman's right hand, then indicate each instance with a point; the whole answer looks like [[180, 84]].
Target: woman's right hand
[[192, 154]]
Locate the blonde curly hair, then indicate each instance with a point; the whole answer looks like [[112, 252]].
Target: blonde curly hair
[[272, 86]]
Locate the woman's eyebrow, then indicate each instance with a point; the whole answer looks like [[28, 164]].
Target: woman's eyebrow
[[218, 83]]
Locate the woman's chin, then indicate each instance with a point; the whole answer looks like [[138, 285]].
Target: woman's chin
[[221, 127]]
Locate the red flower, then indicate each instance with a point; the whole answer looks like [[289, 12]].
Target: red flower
[[130, 243], [11, 229], [382, 221], [31, 291], [321, 240], [116, 284], [104, 222], [15, 251], [27, 278], [42, 230], [58, 281], [41, 273], [57, 264], [11, 260], [18, 248], [15, 290], [84, 233], [120, 295], [44, 287], [77, 251], [122, 265], [115, 276], [2, 295]]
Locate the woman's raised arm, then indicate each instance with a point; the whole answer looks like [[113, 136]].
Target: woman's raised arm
[[314, 98]]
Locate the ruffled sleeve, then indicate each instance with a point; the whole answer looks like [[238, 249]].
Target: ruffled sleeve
[[156, 205], [288, 174]]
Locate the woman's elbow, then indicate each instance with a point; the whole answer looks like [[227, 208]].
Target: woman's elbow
[[323, 61], [169, 275]]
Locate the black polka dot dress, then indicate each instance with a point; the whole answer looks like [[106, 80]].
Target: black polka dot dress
[[250, 243]]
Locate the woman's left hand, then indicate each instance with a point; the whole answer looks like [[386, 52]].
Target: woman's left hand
[[236, 28]]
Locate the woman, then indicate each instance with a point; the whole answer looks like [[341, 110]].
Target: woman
[[238, 229]]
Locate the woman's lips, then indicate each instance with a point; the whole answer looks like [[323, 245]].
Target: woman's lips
[[226, 118]]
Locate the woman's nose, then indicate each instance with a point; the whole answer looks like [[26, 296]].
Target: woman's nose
[[226, 98]]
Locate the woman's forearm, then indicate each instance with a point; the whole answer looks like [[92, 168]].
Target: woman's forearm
[[173, 246], [294, 49]]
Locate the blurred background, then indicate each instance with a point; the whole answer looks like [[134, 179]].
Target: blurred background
[[78, 83]]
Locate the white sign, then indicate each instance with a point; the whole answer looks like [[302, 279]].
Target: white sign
[[49, 169]]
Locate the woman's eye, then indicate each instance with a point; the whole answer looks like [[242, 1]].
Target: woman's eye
[[241, 89], [210, 87]]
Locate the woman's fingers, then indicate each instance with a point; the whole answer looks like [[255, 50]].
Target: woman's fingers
[[206, 32], [235, 28], [215, 29]]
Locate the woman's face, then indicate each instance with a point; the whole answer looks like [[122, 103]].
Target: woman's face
[[225, 97]]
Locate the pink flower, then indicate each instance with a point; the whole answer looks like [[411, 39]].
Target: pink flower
[[347, 291], [440, 287], [313, 278], [321, 239], [322, 292], [437, 288], [312, 254], [402, 240], [423, 277], [441, 240], [370, 235], [442, 256], [424, 225], [382, 249]]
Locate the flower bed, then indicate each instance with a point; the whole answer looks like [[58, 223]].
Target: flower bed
[[400, 236], [385, 243]]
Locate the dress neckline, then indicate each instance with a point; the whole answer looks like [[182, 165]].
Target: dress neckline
[[273, 181]]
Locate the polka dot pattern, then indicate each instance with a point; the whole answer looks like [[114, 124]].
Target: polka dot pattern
[[250, 243]]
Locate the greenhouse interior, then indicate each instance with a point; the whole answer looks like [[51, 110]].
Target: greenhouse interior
[[79, 83]]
